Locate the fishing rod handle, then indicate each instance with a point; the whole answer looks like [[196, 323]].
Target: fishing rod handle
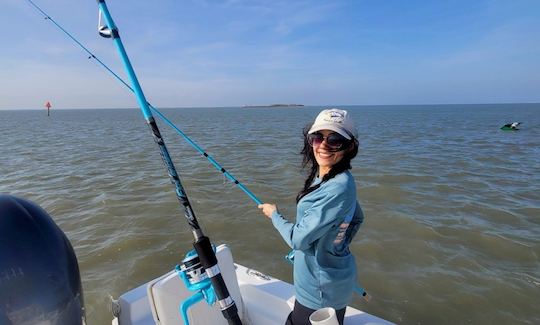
[[209, 261]]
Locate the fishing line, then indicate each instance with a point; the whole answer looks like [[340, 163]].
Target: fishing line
[[228, 175]]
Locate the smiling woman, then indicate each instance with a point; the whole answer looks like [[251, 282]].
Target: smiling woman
[[327, 218]]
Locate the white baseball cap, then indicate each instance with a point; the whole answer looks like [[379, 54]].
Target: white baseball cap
[[337, 120]]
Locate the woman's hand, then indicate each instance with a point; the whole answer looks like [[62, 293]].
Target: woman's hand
[[267, 209]]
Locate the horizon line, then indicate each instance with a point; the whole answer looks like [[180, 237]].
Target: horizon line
[[269, 106]]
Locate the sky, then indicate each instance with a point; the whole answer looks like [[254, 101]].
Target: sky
[[197, 53]]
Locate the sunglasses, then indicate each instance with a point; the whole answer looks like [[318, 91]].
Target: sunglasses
[[334, 141]]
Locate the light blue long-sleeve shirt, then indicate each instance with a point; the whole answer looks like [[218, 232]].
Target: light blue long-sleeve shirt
[[326, 221]]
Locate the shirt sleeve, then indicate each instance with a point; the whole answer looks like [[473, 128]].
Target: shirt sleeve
[[333, 206], [355, 224]]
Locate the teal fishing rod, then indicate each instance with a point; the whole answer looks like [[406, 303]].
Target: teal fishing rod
[[228, 175], [202, 244]]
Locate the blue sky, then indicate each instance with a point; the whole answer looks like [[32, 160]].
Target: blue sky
[[236, 52]]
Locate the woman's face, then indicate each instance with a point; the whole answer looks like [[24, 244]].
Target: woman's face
[[323, 154]]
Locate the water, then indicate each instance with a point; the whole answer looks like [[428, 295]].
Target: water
[[452, 202]]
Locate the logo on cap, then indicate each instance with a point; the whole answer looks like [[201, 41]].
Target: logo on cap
[[334, 116]]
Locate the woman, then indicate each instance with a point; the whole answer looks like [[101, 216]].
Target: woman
[[327, 218]]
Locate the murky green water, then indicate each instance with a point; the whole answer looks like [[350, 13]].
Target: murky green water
[[452, 203]]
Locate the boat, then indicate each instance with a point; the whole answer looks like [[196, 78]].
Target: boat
[[511, 126], [261, 300]]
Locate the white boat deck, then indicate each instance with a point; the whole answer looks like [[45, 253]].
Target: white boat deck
[[261, 300]]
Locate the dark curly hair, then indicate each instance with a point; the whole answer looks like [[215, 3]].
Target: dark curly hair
[[309, 160]]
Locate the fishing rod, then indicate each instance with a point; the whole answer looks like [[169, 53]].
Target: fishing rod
[[218, 167], [202, 244]]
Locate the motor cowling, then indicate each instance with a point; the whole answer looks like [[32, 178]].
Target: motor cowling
[[39, 275]]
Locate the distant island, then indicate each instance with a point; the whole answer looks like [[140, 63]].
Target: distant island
[[274, 105]]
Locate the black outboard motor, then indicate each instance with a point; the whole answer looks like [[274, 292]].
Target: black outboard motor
[[39, 274]]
